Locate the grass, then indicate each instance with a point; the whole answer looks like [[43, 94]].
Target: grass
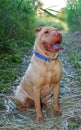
[[72, 40], [9, 66], [73, 125], [75, 57]]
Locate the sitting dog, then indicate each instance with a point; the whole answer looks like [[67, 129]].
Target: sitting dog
[[43, 74]]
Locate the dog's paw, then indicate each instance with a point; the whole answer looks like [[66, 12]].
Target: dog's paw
[[25, 111], [40, 119], [22, 109], [57, 113]]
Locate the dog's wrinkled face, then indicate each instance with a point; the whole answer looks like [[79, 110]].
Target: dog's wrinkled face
[[49, 39]]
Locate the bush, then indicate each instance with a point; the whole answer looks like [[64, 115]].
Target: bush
[[73, 14], [17, 24], [17, 21], [10, 62]]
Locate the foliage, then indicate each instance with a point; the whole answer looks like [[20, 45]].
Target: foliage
[[48, 21], [73, 125], [57, 17], [51, 13], [73, 14], [76, 58], [37, 4], [17, 24], [72, 40], [16, 20], [10, 61]]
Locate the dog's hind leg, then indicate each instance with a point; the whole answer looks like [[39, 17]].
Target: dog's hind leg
[[47, 98], [21, 106], [30, 102]]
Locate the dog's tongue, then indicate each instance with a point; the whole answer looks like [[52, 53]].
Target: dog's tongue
[[56, 47], [53, 48]]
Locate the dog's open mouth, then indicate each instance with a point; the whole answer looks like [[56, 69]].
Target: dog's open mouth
[[52, 48]]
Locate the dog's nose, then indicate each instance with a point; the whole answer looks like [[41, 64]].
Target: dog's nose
[[57, 34], [57, 37]]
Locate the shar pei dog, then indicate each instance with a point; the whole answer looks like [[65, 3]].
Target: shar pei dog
[[42, 78]]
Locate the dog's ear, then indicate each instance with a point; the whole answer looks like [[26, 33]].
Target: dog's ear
[[38, 30]]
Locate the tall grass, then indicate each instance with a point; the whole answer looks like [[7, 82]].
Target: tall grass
[[17, 24], [73, 14], [17, 18]]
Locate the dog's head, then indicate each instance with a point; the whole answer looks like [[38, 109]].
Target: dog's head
[[48, 39]]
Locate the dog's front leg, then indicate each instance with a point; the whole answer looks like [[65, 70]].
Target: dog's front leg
[[57, 111], [37, 98]]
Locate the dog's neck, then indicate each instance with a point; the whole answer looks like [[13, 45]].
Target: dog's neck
[[42, 57]]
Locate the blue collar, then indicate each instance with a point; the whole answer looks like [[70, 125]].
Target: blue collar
[[43, 57]]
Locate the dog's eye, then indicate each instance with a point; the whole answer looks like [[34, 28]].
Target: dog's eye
[[46, 32]]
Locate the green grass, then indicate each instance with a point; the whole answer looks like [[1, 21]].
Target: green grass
[[9, 64], [75, 59], [73, 14]]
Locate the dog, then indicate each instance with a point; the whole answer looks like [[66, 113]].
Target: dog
[[43, 75]]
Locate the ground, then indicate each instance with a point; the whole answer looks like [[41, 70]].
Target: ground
[[69, 97]]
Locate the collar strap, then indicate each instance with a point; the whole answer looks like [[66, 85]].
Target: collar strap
[[48, 59]]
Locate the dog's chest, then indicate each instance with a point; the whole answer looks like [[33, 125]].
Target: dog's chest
[[45, 73], [50, 79], [53, 73], [52, 76]]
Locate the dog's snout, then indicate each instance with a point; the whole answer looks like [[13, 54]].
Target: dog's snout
[[57, 34]]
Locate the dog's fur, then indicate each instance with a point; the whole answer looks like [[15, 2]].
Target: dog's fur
[[41, 77]]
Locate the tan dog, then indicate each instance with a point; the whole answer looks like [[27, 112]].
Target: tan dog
[[43, 74]]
